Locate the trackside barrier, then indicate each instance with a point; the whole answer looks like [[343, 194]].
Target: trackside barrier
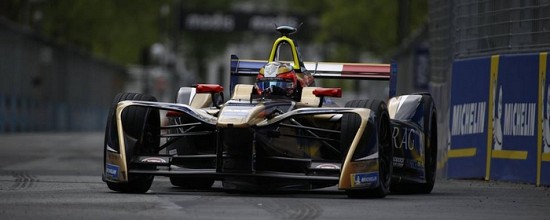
[[468, 129], [499, 125]]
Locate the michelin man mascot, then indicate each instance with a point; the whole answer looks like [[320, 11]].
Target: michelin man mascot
[[497, 124]]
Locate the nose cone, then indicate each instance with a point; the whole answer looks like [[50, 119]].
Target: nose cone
[[240, 116]]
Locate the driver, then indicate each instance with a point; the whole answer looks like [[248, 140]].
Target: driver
[[276, 78]]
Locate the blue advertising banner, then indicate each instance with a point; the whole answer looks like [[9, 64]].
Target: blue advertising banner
[[514, 119], [467, 155], [500, 119]]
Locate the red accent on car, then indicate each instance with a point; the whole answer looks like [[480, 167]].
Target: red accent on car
[[366, 68], [366, 71], [330, 92], [174, 114], [209, 88]]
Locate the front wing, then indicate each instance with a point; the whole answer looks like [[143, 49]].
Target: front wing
[[357, 173]]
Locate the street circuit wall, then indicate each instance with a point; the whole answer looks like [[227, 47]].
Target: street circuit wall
[[499, 125]]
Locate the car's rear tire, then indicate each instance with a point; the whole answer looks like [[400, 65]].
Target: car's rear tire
[[430, 159], [142, 124], [349, 126]]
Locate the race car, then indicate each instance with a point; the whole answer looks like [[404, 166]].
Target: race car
[[280, 133]]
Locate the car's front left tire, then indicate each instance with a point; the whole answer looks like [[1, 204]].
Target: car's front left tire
[[140, 123]]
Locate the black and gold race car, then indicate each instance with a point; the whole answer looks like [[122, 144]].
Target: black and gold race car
[[280, 133]]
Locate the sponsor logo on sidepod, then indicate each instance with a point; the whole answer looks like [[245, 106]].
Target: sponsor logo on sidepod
[[398, 162]]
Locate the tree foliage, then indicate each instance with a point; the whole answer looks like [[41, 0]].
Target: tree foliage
[[350, 27], [115, 29]]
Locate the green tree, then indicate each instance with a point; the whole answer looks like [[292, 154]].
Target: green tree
[[349, 27], [114, 29], [119, 29]]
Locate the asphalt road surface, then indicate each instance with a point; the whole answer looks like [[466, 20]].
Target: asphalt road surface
[[58, 176]]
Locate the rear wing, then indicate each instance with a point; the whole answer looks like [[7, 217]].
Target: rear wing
[[361, 71]]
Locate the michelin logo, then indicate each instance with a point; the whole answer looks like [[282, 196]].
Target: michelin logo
[[469, 118], [514, 119], [364, 179]]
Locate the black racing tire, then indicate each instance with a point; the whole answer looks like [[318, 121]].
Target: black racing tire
[[141, 123], [430, 159], [135, 184], [191, 183], [349, 126]]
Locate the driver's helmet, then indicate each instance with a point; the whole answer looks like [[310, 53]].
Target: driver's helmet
[[276, 78]]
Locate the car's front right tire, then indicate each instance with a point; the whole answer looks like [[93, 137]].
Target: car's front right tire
[[430, 157], [350, 124]]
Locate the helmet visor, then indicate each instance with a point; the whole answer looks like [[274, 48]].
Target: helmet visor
[[285, 84]]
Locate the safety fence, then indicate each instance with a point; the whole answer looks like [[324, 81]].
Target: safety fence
[[486, 27]]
